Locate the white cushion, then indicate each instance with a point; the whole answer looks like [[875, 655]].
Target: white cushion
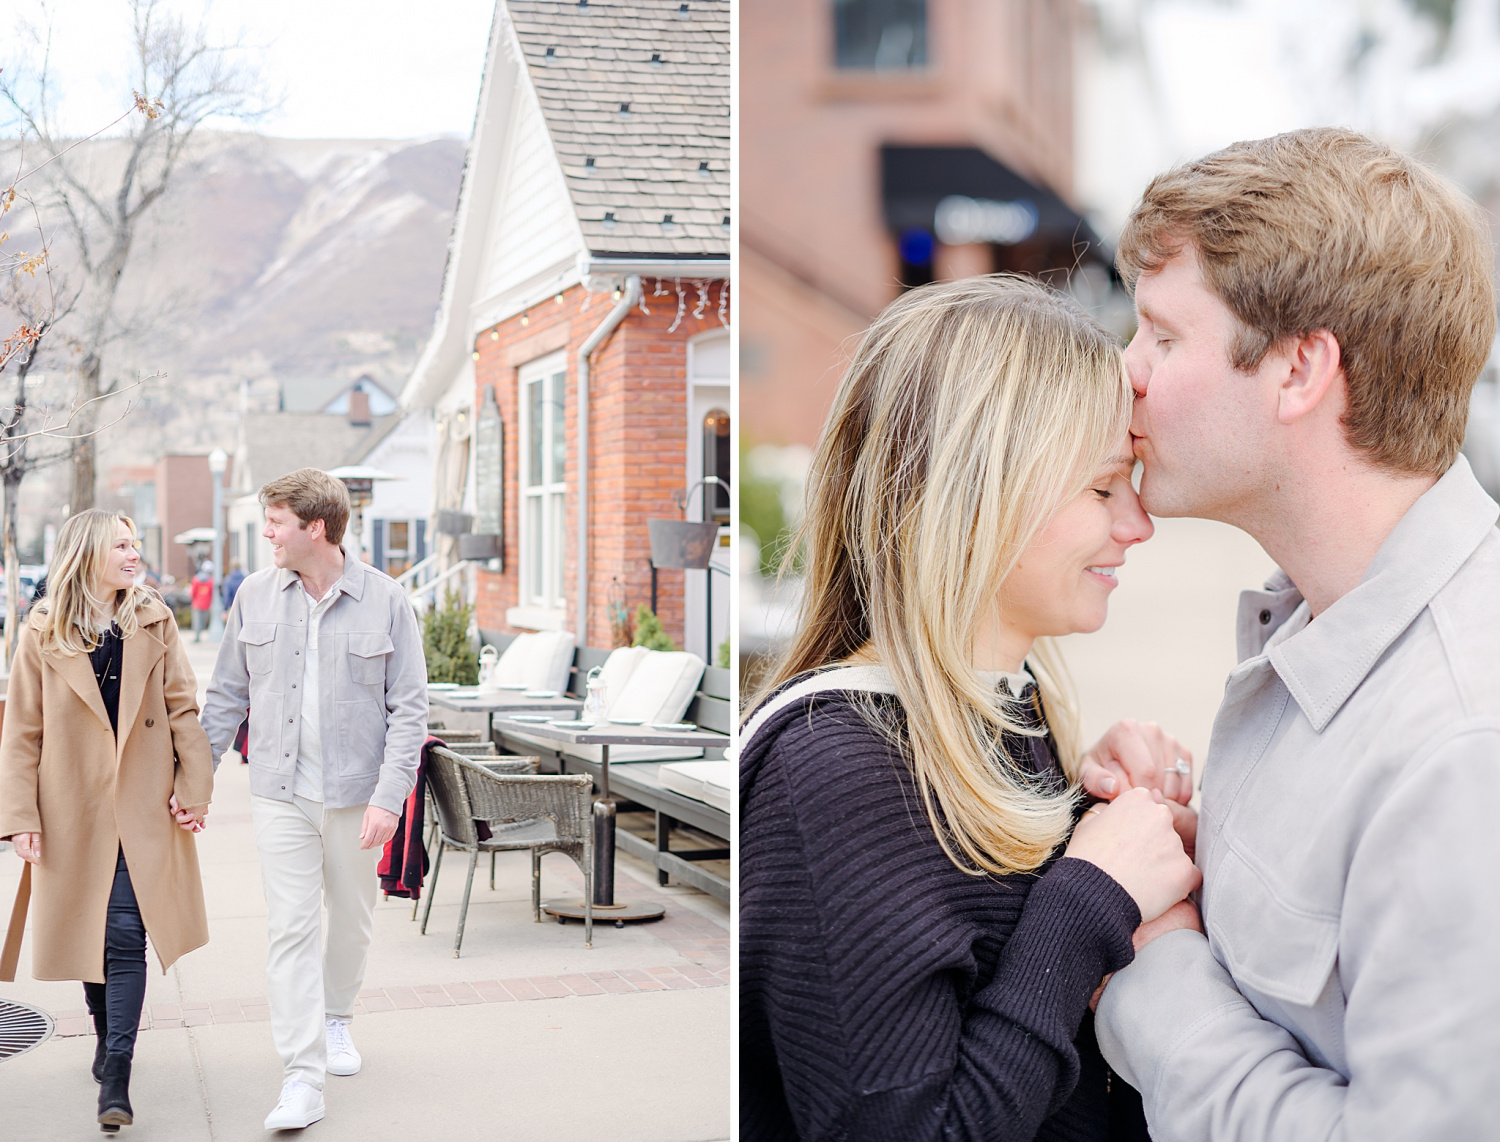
[[618, 668], [708, 781], [659, 688], [539, 661]]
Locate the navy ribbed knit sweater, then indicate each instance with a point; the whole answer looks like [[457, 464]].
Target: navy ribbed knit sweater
[[884, 994]]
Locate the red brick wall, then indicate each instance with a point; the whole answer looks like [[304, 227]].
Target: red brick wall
[[637, 445]]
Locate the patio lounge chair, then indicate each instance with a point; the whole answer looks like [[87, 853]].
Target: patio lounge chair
[[543, 813]]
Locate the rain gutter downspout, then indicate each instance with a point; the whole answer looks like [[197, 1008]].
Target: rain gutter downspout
[[631, 296]]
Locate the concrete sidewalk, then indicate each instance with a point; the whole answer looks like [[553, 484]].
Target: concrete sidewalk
[[527, 1036]]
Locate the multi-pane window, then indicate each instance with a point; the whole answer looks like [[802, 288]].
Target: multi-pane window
[[543, 493], [880, 34]]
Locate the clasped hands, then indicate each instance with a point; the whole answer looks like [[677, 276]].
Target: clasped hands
[[1139, 756]]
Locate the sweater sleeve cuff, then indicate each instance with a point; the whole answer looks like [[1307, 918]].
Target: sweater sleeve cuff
[[1076, 929]]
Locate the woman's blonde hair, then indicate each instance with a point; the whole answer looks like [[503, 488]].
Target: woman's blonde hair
[[972, 412], [64, 620]]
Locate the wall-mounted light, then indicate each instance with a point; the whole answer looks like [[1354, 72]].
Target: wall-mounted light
[[494, 334], [525, 317], [476, 354], [558, 299]]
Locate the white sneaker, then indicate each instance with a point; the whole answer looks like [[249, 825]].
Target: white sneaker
[[301, 1104], [343, 1059]]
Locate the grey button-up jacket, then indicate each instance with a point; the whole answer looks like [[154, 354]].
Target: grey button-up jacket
[[1349, 983], [372, 681]]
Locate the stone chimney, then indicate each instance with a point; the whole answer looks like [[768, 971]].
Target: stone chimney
[[359, 409]]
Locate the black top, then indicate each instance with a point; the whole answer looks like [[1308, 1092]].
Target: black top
[[885, 994], [108, 658]]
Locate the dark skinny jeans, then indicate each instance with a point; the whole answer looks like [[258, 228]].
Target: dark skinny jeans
[[124, 990]]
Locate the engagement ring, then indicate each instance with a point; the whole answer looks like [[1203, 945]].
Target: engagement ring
[[1183, 768]]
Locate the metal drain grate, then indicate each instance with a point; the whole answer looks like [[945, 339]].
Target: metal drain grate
[[22, 1028]]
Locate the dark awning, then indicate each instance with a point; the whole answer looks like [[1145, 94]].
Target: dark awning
[[961, 194]]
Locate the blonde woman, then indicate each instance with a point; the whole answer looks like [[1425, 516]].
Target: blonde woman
[[923, 916], [104, 773]]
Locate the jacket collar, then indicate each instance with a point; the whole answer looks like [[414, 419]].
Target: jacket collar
[[351, 582], [141, 653], [1325, 662]]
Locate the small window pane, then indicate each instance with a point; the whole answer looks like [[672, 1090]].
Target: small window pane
[[555, 542], [716, 463], [398, 536], [559, 428], [535, 431], [883, 34], [535, 549]]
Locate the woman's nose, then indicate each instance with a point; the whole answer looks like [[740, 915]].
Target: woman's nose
[[1132, 524]]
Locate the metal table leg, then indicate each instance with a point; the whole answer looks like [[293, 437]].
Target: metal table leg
[[605, 907]]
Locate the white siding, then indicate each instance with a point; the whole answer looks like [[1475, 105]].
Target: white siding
[[533, 226]]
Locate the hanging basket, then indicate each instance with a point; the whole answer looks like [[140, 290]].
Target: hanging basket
[[677, 543]]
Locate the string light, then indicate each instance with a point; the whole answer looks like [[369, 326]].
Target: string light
[[724, 304], [681, 306], [558, 299], [525, 317], [702, 300], [494, 334], [659, 291]]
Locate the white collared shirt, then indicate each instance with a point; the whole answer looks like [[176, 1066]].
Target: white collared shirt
[[309, 777]]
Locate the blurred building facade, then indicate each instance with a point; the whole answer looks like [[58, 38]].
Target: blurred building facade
[[886, 143]]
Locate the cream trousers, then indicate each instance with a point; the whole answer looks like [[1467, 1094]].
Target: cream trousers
[[310, 859]]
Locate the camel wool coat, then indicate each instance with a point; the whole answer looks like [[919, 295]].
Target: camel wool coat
[[64, 775]]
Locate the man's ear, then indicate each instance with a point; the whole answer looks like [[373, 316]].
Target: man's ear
[[1315, 373], [316, 528]]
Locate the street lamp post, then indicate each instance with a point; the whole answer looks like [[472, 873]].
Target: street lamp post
[[218, 461]]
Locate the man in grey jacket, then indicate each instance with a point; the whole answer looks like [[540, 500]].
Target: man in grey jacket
[[324, 654], [1313, 312]]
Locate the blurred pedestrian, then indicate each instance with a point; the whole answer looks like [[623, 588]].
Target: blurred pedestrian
[[201, 596], [101, 750], [232, 583]]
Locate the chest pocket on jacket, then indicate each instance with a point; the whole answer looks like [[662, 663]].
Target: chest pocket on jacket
[[367, 656], [259, 640], [1285, 952]]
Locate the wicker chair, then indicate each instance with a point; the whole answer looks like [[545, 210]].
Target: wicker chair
[[474, 749], [542, 813], [454, 737], [495, 763]]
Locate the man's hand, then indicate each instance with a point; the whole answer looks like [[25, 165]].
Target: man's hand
[[1183, 914], [1137, 755], [190, 820], [378, 828], [28, 846]]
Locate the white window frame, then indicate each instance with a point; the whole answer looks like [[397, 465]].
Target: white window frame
[[542, 599]]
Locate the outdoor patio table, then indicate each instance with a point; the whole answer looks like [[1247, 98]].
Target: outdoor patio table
[[466, 700], [604, 735]]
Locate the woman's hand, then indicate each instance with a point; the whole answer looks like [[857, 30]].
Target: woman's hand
[[1133, 840], [190, 820], [1137, 755], [28, 846]]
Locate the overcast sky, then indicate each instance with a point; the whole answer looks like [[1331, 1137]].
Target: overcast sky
[[346, 68]]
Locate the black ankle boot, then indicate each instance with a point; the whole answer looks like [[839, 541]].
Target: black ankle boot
[[101, 1032], [114, 1092]]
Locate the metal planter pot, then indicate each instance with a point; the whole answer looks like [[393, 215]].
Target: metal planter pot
[[682, 544]]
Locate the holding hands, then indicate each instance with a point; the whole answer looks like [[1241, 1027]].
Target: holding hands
[[192, 820], [1134, 840], [1137, 755]]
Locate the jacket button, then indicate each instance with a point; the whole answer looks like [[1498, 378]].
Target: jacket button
[[294, 685], [150, 722], [1265, 617], [289, 721]]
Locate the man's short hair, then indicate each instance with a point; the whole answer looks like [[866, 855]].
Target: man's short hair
[[1325, 228], [309, 494]]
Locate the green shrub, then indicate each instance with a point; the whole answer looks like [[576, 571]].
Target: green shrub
[[649, 632], [451, 653], [722, 658]]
